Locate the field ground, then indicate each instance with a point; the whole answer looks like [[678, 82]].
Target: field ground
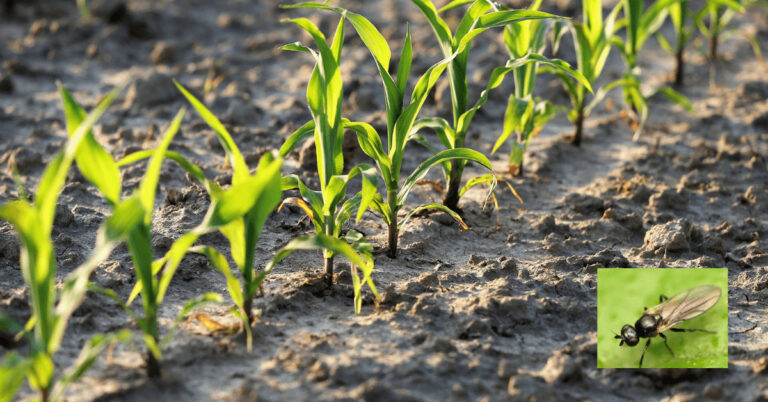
[[508, 307]]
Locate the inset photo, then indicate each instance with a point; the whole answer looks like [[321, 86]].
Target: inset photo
[[662, 318]]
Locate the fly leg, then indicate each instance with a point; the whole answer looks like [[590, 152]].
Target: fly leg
[[692, 330], [667, 345], [643, 355], [662, 298]]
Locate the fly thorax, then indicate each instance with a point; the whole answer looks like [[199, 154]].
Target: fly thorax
[[646, 325]]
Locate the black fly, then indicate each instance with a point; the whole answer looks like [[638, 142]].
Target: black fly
[[666, 315]]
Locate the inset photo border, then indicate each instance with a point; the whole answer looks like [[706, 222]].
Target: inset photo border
[[688, 306]]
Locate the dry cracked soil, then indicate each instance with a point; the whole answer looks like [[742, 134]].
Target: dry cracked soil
[[503, 311]]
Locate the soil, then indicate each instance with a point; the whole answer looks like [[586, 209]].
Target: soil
[[506, 310]]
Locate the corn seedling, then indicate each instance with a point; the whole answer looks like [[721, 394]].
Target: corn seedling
[[103, 172], [260, 193], [479, 17], [640, 24], [330, 209], [720, 13], [678, 14], [51, 310], [526, 115], [400, 123], [591, 39]]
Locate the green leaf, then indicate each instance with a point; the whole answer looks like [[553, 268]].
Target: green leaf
[[220, 263], [500, 18], [370, 143], [13, 370], [95, 163], [126, 216], [42, 370], [85, 360], [449, 154], [211, 187], [517, 115], [240, 169], [433, 205], [148, 186], [404, 67], [370, 183], [438, 25], [297, 137], [240, 198], [56, 172], [676, 97], [564, 67]]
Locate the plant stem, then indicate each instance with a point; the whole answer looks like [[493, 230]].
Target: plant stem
[[679, 66], [451, 199], [248, 307], [328, 263], [578, 125], [714, 22], [516, 157], [44, 394], [328, 268], [393, 232], [392, 252], [153, 366]]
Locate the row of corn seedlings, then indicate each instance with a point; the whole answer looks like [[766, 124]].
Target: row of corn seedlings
[[240, 211]]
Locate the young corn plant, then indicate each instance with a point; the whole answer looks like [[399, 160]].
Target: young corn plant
[[479, 17], [526, 115], [103, 172], [640, 24], [678, 14], [720, 13], [401, 118], [592, 43], [262, 193], [51, 310], [330, 208]]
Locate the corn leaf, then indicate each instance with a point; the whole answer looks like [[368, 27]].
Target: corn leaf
[[95, 163], [233, 153], [448, 154]]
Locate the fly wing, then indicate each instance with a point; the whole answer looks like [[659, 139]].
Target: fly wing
[[686, 305]]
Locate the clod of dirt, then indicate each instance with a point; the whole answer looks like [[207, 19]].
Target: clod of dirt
[[163, 53], [111, 11], [63, 217], [761, 121], [630, 220], [374, 391], [669, 199], [547, 224], [525, 387], [241, 112], [713, 392], [670, 236], [693, 180], [606, 258], [9, 247], [753, 91], [477, 328], [153, 90], [308, 155], [6, 84], [584, 204]]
